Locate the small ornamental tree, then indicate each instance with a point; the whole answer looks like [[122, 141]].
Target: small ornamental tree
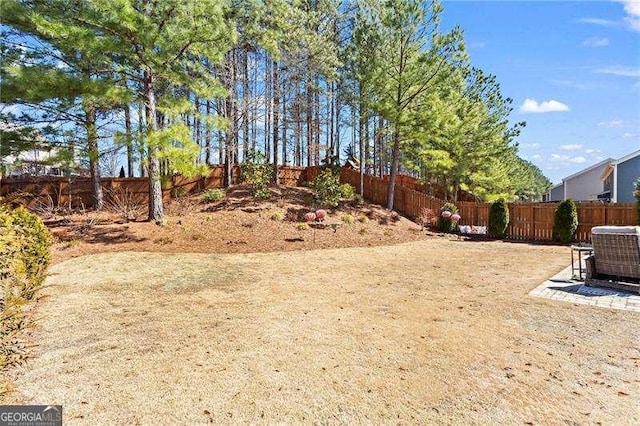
[[565, 221], [445, 223], [256, 171], [328, 189], [498, 219], [637, 195]]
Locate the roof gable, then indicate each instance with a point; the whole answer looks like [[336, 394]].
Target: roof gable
[[588, 169], [627, 157]]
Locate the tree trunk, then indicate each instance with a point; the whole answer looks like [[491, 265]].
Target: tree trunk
[[196, 123], [297, 126], [94, 157], [228, 158], [245, 104], [316, 125], [129, 140], [144, 170], [156, 212], [285, 123], [362, 119], [338, 106], [207, 135], [309, 125], [234, 104], [267, 107], [332, 110], [394, 169], [276, 119]]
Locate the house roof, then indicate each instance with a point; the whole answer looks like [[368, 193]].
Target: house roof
[[627, 157], [588, 169], [558, 185], [609, 169]]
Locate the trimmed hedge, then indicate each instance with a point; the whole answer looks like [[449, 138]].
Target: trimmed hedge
[[498, 219], [565, 221]]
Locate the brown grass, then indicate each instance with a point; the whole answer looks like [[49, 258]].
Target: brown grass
[[435, 331]]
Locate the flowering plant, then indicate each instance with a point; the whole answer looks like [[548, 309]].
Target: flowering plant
[[310, 217], [320, 214], [446, 223]]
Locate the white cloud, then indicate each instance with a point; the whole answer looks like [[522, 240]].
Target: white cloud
[[570, 147], [612, 123], [592, 151], [562, 158], [477, 45], [576, 84], [596, 42], [532, 106], [629, 135], [632, 8], [530, 145], [620, 70], [537, 157], [598, 21]]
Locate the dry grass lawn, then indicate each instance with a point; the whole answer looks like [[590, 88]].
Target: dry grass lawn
[[435, 331]]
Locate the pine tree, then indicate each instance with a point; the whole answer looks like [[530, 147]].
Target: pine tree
[[413, 54], [67, 80], [156, 45]]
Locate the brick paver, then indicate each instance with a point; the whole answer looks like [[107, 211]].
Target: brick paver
[[562, 287]]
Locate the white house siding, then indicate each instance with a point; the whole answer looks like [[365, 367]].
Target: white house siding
[[586, 185]]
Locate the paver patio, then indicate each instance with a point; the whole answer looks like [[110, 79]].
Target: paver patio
[[563, 287]]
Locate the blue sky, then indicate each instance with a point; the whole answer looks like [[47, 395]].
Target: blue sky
[[571, 68]]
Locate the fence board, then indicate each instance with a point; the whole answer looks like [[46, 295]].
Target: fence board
[[76, 192], [528, 221]]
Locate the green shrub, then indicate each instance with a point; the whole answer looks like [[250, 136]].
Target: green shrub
[[446, 224], [357, 200], [565, 221], [328, 190], [213, 195], [347, 218], [347, 190], [302, 226], [498, 219], [24, 257], [277, 216], [9, 244], [363, 219], [179, 192], [257, 172], [37, 241]]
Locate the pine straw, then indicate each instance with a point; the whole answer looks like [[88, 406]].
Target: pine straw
[[437, 331]]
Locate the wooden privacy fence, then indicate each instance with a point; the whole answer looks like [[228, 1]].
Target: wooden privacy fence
[[527, 221], [76, 192]]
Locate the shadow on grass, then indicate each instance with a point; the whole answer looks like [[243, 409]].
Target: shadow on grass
[[95, 234]]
